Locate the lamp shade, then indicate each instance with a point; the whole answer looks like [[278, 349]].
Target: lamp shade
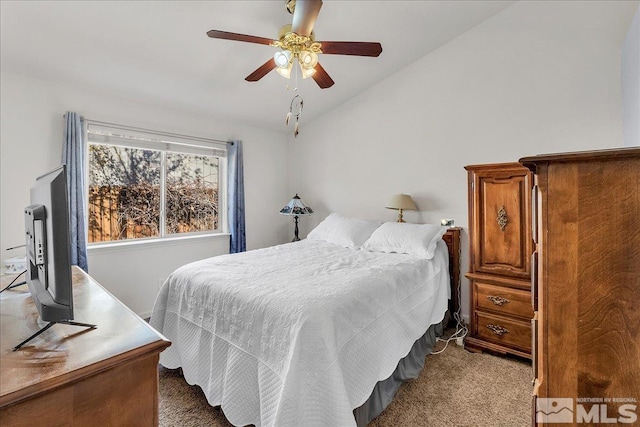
[[282, 58], [401, 201], [285, 71], [307, 72], [308, 59], [296, 207]]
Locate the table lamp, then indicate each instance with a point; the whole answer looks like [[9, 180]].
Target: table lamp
[[296, 208], [401, 202]]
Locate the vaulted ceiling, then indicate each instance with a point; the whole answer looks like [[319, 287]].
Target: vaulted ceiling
[[158, 51]]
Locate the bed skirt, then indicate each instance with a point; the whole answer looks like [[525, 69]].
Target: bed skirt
[[409, 367]]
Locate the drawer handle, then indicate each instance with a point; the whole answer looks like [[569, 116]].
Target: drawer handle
[[498, 300], [502, 218], [497, 329]]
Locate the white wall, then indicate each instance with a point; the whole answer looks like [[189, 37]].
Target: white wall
[[31, 133], [631, 83], [538, 77]]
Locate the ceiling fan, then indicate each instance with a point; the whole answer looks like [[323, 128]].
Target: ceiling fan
[[297, 42]]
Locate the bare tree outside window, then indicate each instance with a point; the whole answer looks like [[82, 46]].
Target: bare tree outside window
[[192, 193], [125, 193]]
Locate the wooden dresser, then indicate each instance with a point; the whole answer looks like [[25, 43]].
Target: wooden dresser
[[76, 376], [500, 258], [587, 288]]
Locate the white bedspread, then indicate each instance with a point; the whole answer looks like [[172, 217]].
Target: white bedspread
[[297, 334]]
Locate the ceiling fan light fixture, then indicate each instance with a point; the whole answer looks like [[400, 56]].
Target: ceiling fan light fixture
[[307, 72], [285, 71], [282, 58], [308, 60], [296, 42]]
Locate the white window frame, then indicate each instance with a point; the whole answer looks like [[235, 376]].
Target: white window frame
[[127, 136]]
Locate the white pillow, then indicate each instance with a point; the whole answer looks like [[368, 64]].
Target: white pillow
[[342, 231], [414, 239]]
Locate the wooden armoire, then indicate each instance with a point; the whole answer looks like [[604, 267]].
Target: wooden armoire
[[586, 292], [500, 259]]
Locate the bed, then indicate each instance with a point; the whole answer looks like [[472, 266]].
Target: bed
[[306, 333]]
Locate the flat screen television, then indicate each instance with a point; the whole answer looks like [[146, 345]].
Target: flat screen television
[[48, 275], [48, 253]]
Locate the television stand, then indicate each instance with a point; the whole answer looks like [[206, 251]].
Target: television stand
[[50, 324], [108, 376]]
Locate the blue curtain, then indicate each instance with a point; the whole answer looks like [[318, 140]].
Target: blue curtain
[[235, 197], [73, 155]]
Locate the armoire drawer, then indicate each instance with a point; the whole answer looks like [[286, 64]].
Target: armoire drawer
[[502, 300], [503, 330]]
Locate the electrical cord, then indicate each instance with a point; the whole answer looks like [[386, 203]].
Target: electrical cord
[[461, 328], [461, 332], [11, 285]]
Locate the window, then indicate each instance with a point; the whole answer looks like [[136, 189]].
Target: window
[[145, 184]]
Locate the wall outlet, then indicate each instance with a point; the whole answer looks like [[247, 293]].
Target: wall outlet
[[460, 341], [447, 222], [465, 319]]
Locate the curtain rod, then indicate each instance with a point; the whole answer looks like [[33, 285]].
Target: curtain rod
[[150, 130]]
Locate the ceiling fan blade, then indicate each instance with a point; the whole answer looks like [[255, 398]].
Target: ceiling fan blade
[[322, 78], [304, 16], [352, 48], [217, 34], [261, 71]]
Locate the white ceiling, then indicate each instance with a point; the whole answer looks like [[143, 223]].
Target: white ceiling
[[158, 51]]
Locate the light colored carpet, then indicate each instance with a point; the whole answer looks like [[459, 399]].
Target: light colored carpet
[[456, 388]]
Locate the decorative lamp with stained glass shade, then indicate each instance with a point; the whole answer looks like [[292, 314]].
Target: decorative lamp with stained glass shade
[[296, 208]]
